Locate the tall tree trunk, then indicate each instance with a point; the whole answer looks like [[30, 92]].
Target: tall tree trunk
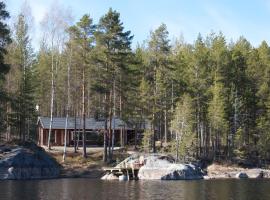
[[154, 109], [154, 133], [75, 134], [114, 110], [105, 134], [110, 127], [165, 126], [8, 122], [177, 146], [83, 113], [52, 101], [23, 109], [172, 96], [68, 104], [105, 142]]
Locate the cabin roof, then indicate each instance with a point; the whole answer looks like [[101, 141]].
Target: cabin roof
[[91, 123]]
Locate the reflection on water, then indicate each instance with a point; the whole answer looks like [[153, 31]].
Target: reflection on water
[[97, 189]]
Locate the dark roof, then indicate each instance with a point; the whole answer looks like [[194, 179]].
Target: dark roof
[[91, 123]]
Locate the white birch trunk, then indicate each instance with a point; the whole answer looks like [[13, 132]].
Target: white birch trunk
[[67, 114], [52, 101]]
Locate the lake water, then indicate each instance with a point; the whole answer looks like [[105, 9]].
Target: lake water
[[78, 189]]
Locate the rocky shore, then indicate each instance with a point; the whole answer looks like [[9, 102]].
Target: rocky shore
[[27, 161], [218, 171], [158, 167], [163, 167]]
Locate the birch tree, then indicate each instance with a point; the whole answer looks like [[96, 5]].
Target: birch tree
[[68, 104], [54, 25]]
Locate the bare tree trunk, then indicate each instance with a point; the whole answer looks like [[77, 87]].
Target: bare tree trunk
[[65, 139], [105, 135], [177, 146], [165, 126], [75, 136], [83, 113], [154, 134], [68, 104], [52, 101], [105, 142], [171, 107], [23, 109], [154, 110], [113, 131], [110, 130], [8, 122], [88, 101]]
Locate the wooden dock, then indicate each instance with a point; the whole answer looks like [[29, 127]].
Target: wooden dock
[[130, 172]]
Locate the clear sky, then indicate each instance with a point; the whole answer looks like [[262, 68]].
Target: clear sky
[[248, 18]]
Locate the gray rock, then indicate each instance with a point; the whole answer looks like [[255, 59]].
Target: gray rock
[[241, 175], [28, 163], [255, 173], [156, 168]]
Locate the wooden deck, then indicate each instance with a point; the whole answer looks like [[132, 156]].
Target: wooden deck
[[130, 172]]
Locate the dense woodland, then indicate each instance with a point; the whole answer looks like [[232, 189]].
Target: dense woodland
[[209, 99]]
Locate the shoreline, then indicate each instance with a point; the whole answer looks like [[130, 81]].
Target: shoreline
[[92, 167]]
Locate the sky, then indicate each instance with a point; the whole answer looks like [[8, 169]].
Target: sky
[[184, 18]]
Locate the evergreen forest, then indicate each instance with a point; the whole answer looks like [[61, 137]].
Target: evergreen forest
[[207, 99]]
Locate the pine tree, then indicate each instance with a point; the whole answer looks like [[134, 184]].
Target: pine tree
[[21, 58], [159, 77], [4, 68], [217, 120], [218, 136], [240, 94], [198, 83], [261, 77], [113, 45], [83, 36]]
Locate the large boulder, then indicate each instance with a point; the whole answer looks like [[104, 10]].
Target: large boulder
[[27, 162], [156, 167], [255, 173]]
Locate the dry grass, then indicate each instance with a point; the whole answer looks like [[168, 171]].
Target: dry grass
[[75, 160], [77, 166]]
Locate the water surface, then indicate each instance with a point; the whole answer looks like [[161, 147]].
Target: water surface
[[97, 189]]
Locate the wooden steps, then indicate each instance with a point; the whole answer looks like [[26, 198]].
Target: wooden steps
[[131, 173]]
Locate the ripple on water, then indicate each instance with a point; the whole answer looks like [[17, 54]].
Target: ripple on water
[[140, 190]]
